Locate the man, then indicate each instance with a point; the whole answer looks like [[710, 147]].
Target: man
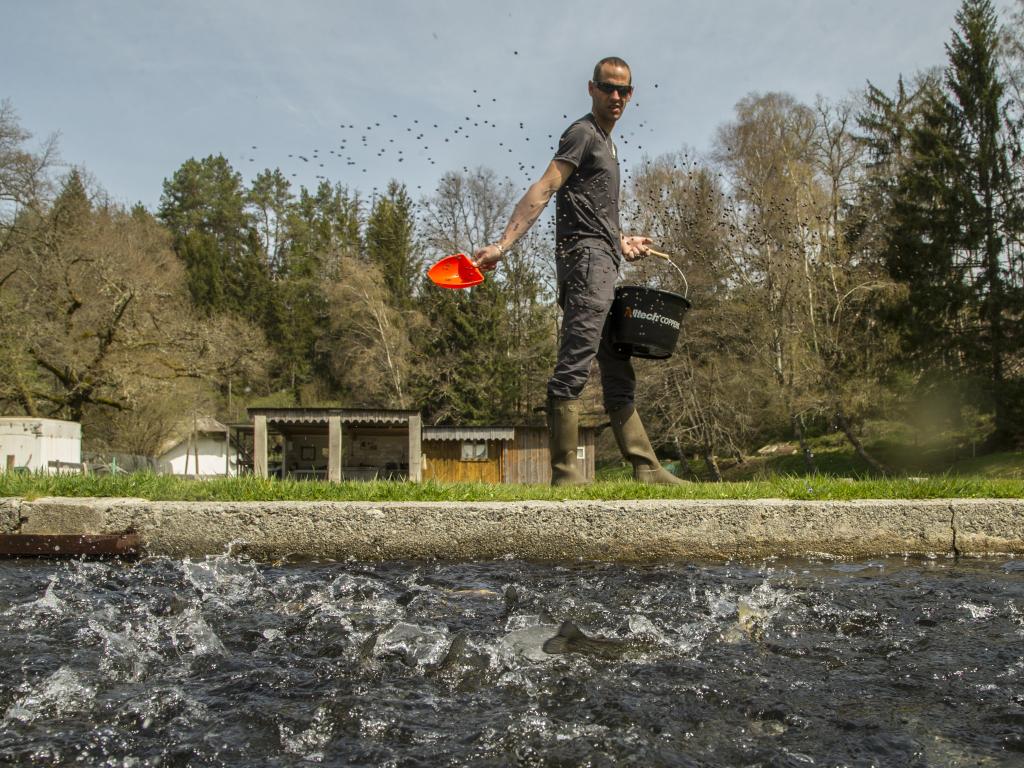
[[589, 246]]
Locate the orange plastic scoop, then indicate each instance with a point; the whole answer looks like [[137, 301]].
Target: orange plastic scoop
[[455, 272]]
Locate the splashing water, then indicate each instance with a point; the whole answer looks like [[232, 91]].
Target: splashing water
[[226, 661]]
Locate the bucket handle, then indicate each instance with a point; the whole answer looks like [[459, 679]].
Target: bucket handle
[[666, 257]]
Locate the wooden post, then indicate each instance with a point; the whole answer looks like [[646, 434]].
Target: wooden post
[[334, 448], [10, 462], [259, 445], [284, 455], [415, 448]]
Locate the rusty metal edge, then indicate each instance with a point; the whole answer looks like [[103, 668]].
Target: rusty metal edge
[[112, 545]]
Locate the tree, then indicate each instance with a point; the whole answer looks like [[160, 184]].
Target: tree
[[324, 228], [204, 206], [91, 303], [24, 175], [811, 297], [530, 319], [990, 200], [955, 224], [885, 126], [702, 399], [270, 203], [368, 343], [852, 349], [1012, 38], [487, 351], [769, 152], [390, 243], [100, 311]]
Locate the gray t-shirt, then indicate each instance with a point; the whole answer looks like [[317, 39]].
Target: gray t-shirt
[[587, 205]]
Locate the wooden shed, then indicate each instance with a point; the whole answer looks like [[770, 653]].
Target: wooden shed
[[331, 443], [496, 454]]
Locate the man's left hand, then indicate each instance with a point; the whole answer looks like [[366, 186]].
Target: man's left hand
[[635, 247]]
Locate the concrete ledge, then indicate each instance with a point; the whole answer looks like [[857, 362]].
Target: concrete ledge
[[989, 527], [626, 531], [9, 514]]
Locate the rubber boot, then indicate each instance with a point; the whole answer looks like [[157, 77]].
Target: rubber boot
[[563, 437], [636, 448]]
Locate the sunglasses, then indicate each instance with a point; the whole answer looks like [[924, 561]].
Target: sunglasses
[[625, 91]]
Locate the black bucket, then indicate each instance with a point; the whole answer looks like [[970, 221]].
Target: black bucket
[[645, 321]]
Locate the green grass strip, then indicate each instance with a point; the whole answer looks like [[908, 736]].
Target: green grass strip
[[820, 487]]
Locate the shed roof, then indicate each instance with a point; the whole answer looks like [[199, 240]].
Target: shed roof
[[321, 415], [469, 433], [209, 425]]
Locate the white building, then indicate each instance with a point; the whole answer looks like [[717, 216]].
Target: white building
[[204, 451], [40, 445]]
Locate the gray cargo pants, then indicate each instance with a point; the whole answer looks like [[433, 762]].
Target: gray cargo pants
[[586, 288]]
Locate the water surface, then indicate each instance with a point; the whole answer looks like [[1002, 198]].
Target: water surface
[[225, 661]]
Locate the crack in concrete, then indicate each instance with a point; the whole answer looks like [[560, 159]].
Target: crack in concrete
[[952, 526]]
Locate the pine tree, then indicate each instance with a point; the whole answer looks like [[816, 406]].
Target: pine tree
[[203, 205], [72, 207], [322, 229], [953, 209], [988, 202], [464, 373], [270, 201], [923, 241], [390, 242]]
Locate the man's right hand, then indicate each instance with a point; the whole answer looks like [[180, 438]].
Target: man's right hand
[[487, 258]]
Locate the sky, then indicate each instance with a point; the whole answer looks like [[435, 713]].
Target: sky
[[358, 93]]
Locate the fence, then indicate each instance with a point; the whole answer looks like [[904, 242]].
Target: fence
[[123, 464]]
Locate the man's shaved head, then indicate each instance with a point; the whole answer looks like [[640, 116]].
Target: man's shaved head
[[612, 61]]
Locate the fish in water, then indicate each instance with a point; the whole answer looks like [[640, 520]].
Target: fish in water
[[571, 639], [542, 642]]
